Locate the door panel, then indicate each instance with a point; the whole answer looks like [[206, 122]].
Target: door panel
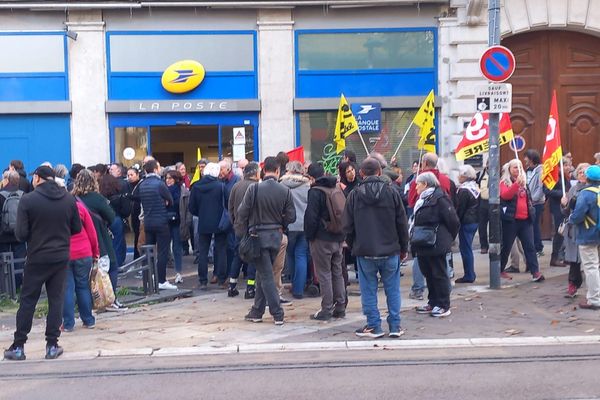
[[569, 63]]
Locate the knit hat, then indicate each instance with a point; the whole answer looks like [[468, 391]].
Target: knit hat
[[593, 173]]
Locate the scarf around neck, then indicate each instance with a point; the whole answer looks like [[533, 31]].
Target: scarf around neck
[[472, 187]]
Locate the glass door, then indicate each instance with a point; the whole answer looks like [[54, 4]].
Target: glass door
[[131, 145]]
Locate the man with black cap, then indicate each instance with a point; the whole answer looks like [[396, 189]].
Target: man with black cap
[[46, 220]]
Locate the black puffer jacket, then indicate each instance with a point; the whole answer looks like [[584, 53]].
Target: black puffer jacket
[[437, 210], [375, 220], [317, 214]]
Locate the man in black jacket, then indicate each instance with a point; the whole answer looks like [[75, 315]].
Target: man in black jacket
[[267, 208], [46, 220], [325, 246], [377, 232]]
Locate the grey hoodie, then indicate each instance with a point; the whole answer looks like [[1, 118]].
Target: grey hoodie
[[535, 185], [299, 186]]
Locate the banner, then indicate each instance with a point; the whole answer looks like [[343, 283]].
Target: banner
[[425, 119], [196, 176], [552, 149], [476, 138], [345, 125]]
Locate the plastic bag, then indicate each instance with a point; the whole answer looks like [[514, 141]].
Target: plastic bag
[[102, 291], [104, 263]]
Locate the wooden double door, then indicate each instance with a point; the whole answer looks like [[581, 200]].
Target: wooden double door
[[568, 62]]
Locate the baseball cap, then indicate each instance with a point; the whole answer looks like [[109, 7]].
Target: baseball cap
[[44, 172], [593, 173]]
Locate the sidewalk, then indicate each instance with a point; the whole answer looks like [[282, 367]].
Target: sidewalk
[[214, 321]]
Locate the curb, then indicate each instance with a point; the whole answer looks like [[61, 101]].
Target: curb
[[350, 345]]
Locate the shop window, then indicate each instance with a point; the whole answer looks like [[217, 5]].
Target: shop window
[[32, 53], [316, 135], [365, 50], [153, 53], [135, 138]]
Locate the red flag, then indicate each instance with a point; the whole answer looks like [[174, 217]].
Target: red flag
[[552, 149], [297, 154], [476, 138]]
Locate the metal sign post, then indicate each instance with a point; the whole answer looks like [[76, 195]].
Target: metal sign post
[[494, 161]]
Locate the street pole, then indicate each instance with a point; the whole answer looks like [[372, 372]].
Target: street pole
[[494, 161]]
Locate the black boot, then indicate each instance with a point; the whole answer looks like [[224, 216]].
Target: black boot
[[250, 292]]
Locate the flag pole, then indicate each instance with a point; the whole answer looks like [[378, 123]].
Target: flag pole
[[403, 137], [363, 141], [562, 176]]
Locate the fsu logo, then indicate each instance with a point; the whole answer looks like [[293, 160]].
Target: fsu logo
[[182, 76]]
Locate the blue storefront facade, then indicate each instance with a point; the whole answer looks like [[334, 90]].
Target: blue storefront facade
[[34, 94]]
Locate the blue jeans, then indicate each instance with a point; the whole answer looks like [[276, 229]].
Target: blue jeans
[[466, 235], [389, 269], [418, 278], [78, 274], [297, 261], [118, 241], [176, 246], [537, 230]]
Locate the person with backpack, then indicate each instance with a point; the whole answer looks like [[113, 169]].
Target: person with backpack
[[323, 227], [586, 217], [377, 233], [10, 196]]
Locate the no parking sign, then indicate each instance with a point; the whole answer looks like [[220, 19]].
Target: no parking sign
[[497, 63]]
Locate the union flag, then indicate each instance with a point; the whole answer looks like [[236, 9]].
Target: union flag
[[552, 149]]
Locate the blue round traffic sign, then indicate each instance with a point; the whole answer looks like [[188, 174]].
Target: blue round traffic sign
[[497, 63], [517, 143]]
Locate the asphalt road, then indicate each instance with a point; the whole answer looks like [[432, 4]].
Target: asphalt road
[[554, 372]]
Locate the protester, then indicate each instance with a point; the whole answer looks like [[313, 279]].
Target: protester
[[46, 220], [517, 218], [185, 178], [376, 228], [325, 235], [229, 179], [175, 186], [597, 158], [115, 190], [467, 199], [297, 249], [348, 177], [133, 178], [60, 175], [434, 209], [207, 202], [17, 166], [86, 189], [482, 180], [267, 209], [8, 221], [554, 197], [586, 216], [75, 169], [533, 164], [349, 156], [155, 198], [251, 176], [84, 249], [570, 232]]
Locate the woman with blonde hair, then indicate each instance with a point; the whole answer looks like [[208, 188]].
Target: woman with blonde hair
[[518, 215]]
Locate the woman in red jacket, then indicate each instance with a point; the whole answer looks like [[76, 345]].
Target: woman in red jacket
[[517, 215], [84, 249]]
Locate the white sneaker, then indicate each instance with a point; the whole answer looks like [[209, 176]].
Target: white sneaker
[[178, 278], [166, 285]]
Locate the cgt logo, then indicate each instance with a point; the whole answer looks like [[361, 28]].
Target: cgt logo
[[183, 76]]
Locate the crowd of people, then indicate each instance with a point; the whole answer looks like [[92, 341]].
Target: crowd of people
[[284, 220]]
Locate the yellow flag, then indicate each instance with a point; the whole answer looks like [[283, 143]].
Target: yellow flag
[[425, 119], [196, 176], [345, 125]]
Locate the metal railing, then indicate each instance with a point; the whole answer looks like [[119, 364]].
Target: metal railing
[[10, 267]]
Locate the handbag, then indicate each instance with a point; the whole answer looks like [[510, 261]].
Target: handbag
[[423, 236], [225, 221], [249, 247], [562, 227]]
